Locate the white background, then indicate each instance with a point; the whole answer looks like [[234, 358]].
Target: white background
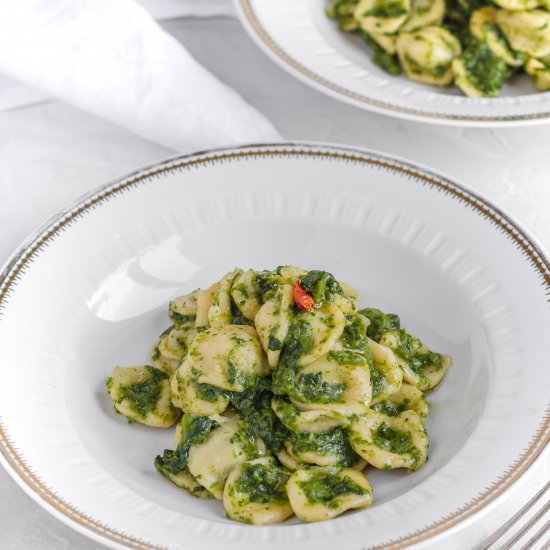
[[51, 153]]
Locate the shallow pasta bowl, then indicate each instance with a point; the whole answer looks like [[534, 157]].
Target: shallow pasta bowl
[[89, 291], [298, 35]]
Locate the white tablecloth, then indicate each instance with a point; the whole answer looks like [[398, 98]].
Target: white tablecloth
[[50, 153]]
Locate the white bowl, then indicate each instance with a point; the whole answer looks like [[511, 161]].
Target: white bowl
[[299, 36], [90, 289]]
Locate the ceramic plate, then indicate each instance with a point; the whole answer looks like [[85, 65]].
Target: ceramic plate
[[303, 40], [90, 291]]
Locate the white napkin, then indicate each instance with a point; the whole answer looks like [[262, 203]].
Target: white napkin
[[109, 57]]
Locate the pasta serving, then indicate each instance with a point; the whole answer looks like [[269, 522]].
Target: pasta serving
[[282, 392], [477, 44]]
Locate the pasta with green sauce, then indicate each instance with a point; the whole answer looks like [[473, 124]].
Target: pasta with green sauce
[[282, 391], [474, 44]]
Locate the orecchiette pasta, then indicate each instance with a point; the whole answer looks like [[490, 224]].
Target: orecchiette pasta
[[475, 45], [142, 394], [526, 31], [211, 461], [427, 54], [421, 367], [319, 493], [382, 16], [285, 393], [255, 492], [424, 13], [389, 442], [539, 72], [337, 381]]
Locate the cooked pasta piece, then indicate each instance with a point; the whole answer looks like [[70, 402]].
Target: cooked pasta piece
[[427, 54], [342, 11], [326, 325], [321, 493], [385, 16], [229, 357], [205, 300], [183, 309], [406, 398], [142, 394], [173, 464], [539, 72], [324, 449], [421, 367], [424, 13], [211, 460], [172, 347], [338, 381], [255, 493], [483, 26], [220, 312], [272, 322], [386, 375], [192, 397], [314, 421], [245, 294], [526, 31], [389, 442], [478, 72]]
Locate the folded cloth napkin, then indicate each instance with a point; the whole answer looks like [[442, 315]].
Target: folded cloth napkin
[[109, 57]]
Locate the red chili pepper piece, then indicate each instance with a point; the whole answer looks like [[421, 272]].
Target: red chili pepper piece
[[303, 300]]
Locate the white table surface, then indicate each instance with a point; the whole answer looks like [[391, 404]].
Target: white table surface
[[51, 153]]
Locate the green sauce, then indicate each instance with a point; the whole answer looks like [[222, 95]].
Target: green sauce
[[266, 282], [311, 388], [258, 417], [195, 430], [380, 322], [485, 71], [262, 483], [299, 341], [390, 408], [142, 397], [321, 286], [409, 348], [334, 443], [387, 10], [378, 382], [178, 319], [237, 318], [386, 61], [394, 441], [325, 485]]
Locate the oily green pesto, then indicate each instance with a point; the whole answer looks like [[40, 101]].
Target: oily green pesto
[[195, 430], [262, 483], [334, 442], [325, 485], [394, 441], [485, 71], [237, 318], [321, 286], [387, 9], [409, 348], [390, 408], [299, 341], [311, 388], [347, 357], [380, 322], [266, 282], [143, 396]]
